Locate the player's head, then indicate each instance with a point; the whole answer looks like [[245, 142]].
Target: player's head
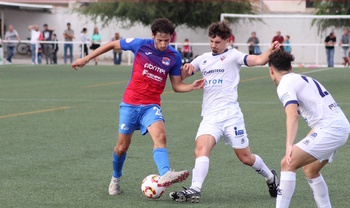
[[219, 33], [280, 63], [162, 30]]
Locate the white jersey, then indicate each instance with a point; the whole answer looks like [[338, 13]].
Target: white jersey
[[315, 104], [221, 73]]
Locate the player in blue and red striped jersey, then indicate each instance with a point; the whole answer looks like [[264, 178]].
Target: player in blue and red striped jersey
[[140, 108]]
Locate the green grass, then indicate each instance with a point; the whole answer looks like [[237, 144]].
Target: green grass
[[54, 157]]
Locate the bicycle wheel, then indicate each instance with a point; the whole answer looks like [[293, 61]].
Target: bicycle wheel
[[23, 48]]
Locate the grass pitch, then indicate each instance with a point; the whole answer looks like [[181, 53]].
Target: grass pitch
[[59, 128]]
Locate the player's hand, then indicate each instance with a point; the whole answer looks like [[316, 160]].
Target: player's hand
[[79, 63], [274, 46], [198, 84], [189, 68], [289, 153]]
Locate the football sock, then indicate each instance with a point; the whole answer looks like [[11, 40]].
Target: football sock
[[320, 191], [160, 156], [287, 187], [260, 167], [199, 172], [118, 162]]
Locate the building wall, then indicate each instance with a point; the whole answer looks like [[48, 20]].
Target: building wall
[[300, 31]]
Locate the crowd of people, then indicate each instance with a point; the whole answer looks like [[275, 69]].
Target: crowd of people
[[49, 50], [40, 49]]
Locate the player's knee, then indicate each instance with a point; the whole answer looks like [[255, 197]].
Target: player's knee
[[310, 173], [246, 160], [120, 149]]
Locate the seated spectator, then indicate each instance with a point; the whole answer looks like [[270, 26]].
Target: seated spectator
[[186, 52]]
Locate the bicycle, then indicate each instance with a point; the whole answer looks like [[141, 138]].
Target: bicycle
[[23, 48]]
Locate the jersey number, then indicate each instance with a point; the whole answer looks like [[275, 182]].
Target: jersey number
[[322, 93]]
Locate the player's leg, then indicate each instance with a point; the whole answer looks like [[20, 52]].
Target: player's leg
[[317, 183], [119, 156], [152, 121], [65, 48], [255, 161], [299, 159], [208, 135]]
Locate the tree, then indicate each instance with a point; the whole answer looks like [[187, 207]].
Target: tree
[[331, 7], [192, 13]]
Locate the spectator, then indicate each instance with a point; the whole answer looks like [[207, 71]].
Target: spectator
[[344, 43], [286, 44], [117, 53], [231, 42], [253, 47], [329, 42], [279, 38], [40, 53], [34, 37], [173, 39], [68, 37], [11, 35], [47, 36], [85, 40], [96, 42], [54, 48], [186, 52]]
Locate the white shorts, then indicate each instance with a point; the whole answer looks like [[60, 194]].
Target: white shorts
[[232, 129], [324, 143]]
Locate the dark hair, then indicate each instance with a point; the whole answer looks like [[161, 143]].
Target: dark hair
[[68, 23], [162, 25], [84, 29], [281, 60], [45, 25], [220, 29], [331, 33]]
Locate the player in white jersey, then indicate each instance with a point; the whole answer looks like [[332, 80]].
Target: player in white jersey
[[329, 129], [222, 116]]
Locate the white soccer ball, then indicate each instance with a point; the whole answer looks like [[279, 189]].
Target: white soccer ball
[[150, 187]]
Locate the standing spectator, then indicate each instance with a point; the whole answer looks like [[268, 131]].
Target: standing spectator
[[54, 48], [34, 37], [85, 40], [68, 37], [11, 47], [286, 44], [231, 42], [186, 51], [278, 38], [173, 39], [47, 36], [344, 43], [117, 53], [253, 43], [96, 42], [329, 42]]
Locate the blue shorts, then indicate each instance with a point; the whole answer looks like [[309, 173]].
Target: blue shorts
[[138, 117]]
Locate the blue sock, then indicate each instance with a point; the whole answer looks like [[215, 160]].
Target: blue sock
[[160, 156], [118, 164]]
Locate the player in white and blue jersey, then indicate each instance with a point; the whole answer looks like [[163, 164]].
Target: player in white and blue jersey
[[305, 96], [222, 116], [140, 108]]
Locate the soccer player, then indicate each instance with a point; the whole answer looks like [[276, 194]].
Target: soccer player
[[140, 108], [329, 129], [222, 116]]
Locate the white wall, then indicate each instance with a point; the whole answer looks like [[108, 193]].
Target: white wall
[[300, 31]]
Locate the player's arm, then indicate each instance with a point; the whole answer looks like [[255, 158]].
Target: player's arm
[[292, 129], [100, 50], [179, 86], [262, 59]]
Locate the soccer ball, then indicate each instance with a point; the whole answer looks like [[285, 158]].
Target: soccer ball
[[150, 188]]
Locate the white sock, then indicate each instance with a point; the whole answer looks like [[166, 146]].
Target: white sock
[[199, 172], [287, 187], [320, 192], [260, 167]]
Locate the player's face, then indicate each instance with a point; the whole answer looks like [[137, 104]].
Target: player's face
[[161, 40], [218, 45], [273, 76]]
